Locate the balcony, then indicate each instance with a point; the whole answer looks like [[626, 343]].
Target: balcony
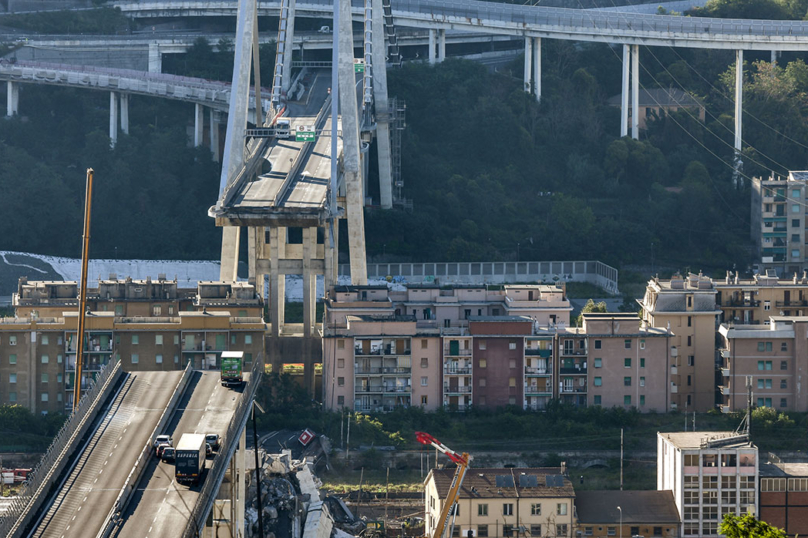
[[574, 352], [457, 353], [741, 303], [456, 389], [791, 303], [537, 371], [724, 353], [674, 388], [724, 408], [457, 371], [724, 390], [725, 372], [536, 390], [378, 371], [674, 370], [573, 371], [573, 390], [544, 353], [378, 389]]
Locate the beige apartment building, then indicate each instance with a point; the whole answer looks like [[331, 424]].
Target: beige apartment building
[[687, 308], [753, 301], [497, 503], [778, 222], [774, 357], [38, 352]]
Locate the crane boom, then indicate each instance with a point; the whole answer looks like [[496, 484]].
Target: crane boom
[[462, 461]]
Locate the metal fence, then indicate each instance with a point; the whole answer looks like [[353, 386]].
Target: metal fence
[[39, 478], [229, 443]]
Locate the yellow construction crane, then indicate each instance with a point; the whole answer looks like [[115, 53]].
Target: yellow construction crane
[[462, 461]]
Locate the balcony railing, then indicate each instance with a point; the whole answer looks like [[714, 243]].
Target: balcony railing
[[724, 353], [538, 352], [724, 390], [464, 389], [458, 353], [388, 370], [537, 371], [742, 303], [457, 371], [536, 389], [379, 352], [674, 370], [725, 372], [791, 303], [572, 390], [381, 389], [573, 371], [674, 388], [575, 352]]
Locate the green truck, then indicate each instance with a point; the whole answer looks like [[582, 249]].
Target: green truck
[[232, 366]]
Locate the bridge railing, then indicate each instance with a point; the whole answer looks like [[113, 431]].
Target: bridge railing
[[48, 468], [229, 442]]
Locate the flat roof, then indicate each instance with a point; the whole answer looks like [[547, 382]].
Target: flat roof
[[784, 470], [507, 319], [697, 439]]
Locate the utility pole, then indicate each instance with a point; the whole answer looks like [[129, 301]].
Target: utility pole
[[348, 440], [694, 421], [257, 470], [386, 495], [621, 459]]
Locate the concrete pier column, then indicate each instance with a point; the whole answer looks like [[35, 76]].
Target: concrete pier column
[[199, 124], [252, 254], [431, 53], [635, 92], [155, 58], [528, 63], [277, 281], [441, 45], [12, 99], [775, 54], [381, 103], [214, 135], [113, 119], [736, 175], [309, 280], [125, 113], [350, 141], [286, 79], [241, 484], [537, 68], [624, 92], [228, 271], [328, 259]]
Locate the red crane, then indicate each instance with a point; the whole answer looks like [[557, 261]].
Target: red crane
[[462, 461]]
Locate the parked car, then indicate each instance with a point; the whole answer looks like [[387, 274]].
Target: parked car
[[160, 449], [169, 454], [213, 440]]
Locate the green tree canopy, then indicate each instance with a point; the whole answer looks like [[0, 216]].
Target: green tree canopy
[[746, 526]]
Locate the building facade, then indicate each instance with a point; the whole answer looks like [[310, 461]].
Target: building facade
[[784, 496], [641, 513], [711, 474], [778, 222]]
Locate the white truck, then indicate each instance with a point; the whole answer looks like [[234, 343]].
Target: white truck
[[190, 458], [283, 128]]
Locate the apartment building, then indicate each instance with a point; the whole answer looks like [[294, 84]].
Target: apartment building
[[772, 356], [753, 301], [687, 308], [784, 496], [778, 222], [497, 503], [604, 514], [38, 352], [711, 474], [499, 359]]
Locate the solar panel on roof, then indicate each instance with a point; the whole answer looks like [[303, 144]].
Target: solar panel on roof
[[528, 481], [504, 481]]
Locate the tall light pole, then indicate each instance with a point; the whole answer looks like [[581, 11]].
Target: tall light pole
[[621, 521]]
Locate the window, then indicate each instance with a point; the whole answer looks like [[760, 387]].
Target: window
[[627, 400], [511, 381], [58, 396], [423, 400], [627, 381], [611, 531], [481, 344], [12, 340], [627, 344], [135, 358], [635, 531], [12, 359], [135, 339], [642, 400], [535, 509], [176, 339], [642, 381], [482, 382], [692, 482], [176, 359], [597, 399], [626, 363], [642, 343], [795, 208], [689, 340], [507, 509], [340, 363], [233, 339], [561, 509], [59, 359], [507, 530], [424, 381], [158, 359], [511, 345], [247, 339], [44, 339], [58, 378], [767, 305], [689, 323], [482, 510], [12, 396], [598, 381], [340, 400], [483, 363], [769, 344], [598, 363], [424, 362], [642, 362], [689, 380], [783, 402], [761, 346], [44, 397], [424, 343], [597, 344], [158, 339], [768, 365], [689, 300], [512, 363], [481, 401], [691, 360], [588, 531], [482, 531], [340, 381], [561, 529], [45, 359], [44, 378], [535, 530]]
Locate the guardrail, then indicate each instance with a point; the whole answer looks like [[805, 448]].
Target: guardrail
[[25, 506], [207, 495], [113, 519]]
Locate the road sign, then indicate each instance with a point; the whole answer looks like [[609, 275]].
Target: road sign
[[358, 65], [306, 437], [305, 133]]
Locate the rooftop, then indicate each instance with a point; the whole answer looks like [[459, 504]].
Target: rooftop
[[506, 483], [784, 470], [724, 439], [647, 507], [505, 319]]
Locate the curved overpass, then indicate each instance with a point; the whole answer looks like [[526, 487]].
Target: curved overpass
[[530, 21]]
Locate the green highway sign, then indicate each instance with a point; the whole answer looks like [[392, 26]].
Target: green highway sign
[[358, 65], [305, 133]]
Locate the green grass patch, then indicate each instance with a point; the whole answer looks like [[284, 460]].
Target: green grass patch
[[373, 480]]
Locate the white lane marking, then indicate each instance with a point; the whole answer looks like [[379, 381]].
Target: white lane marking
[[79, 510]]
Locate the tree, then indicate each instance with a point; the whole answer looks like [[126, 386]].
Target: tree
[[591, 306], [747, 526]]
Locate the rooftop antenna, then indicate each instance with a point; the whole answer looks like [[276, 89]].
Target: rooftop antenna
[[745, 427]]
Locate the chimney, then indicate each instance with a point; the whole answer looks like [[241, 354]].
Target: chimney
[[727, 279], [794, 281], [805, 276], [563, 468], [736, 278]]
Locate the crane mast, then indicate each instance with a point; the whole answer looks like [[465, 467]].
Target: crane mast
[[462, 461]]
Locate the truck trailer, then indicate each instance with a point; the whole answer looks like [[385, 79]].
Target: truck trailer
[[232, 368], [190, 458]]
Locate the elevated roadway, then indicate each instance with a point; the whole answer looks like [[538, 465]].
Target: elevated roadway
[[529, 21], [161, 507], [90, 489]]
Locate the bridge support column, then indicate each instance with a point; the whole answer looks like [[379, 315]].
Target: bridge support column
[[155, 58], [241, 469], [277, 280], [113, 119], [286, 79], [382, 107], [441, 45], [736, 175], [228, 271], [125, 113], [528, 63], [635, 92], [350, 152], [624, 92], [330, 260], [309, 280], [199, 124], [214, 134], [537, 68], [12, 98], [431, 52]]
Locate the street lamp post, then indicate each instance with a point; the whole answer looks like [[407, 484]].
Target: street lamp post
[[621, 521]]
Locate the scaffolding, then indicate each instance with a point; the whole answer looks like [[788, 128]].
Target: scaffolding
[[393, 54], [397, 111]]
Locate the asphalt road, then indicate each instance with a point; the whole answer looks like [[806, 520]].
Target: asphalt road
[[91, 488], [161, 507]]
